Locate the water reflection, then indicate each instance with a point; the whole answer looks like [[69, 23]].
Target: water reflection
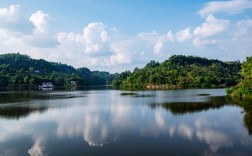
[[247, 106], [34, 96], [15, 105], [206, 132], [37, 148], [106, 123], [178, 108]]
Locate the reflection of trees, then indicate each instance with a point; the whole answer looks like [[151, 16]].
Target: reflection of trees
[[25, 96], [178, 108], [247, 106], [17, 112], [21, 104], [248, 121], [10, 97]]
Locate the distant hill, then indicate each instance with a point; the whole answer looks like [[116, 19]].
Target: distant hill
[[18, 70], [181, 71]]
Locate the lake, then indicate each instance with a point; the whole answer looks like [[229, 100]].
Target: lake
[[114, 122]]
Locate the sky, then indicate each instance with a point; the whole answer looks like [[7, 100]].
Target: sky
[[119, 35]]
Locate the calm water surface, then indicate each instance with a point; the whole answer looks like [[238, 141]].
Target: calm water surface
[[113, 122]]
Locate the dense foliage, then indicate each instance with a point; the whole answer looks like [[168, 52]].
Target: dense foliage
[[18, 70], [120, 78], [244, 88], [181, 71]]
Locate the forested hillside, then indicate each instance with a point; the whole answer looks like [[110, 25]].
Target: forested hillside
[[18, 70], [181, 71], [244, 88]]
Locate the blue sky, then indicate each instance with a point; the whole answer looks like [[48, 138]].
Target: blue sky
[[119, 35]]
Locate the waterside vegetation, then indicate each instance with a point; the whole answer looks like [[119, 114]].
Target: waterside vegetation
[[243, 90], [18, 70], [181, 71]]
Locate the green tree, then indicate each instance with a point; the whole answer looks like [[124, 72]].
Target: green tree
[[247, 68], [243, 90]]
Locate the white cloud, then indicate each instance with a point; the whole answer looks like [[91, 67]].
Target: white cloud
[[99, 45], [158, 47], [15, 29], [211, 26], [184, 35], [41, 40], [12, 21], [122, 53], [170, 36], [231, 7], [158, 41], [43, 36], [243, 27], [239, 43], [40, 21], [11, 13], [94, 36], [102, 47], [203, 42]]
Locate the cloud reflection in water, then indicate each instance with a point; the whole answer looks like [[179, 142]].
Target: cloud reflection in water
[[101, 121]]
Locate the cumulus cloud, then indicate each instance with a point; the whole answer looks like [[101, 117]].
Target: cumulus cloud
[[40, 21], [102, 47], [12, 21], [211, 26], [184, 35], [231, 7], [42, 36], [122, 54], [94, 37], [99, 44], [35, 31], [158, 47], [170, 36]]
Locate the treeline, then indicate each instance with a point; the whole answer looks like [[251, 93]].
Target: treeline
[[243, 90], [18, 70], [181, 71]]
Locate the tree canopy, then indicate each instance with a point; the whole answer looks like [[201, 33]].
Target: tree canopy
[[18, 70], [247, 68], [181, 71], [244, 88]]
